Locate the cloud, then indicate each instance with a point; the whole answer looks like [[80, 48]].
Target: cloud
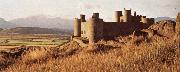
[[88, 7], [11, 9]]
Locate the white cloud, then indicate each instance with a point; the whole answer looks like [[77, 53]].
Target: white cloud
[[87, 7], [11, 9]]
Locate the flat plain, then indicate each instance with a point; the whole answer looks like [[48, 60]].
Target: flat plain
[[9, 41]]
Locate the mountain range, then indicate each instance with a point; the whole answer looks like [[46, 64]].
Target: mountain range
[[34, 30], [6, 24], [41, 21], [44, 21], [164, 18]]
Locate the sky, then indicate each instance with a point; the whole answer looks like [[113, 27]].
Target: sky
[[69, 9]]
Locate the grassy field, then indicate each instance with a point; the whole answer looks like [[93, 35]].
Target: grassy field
[[125, 54], [17, 40], [159, 54]]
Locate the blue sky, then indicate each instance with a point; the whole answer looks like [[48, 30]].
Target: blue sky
[[11, 9]]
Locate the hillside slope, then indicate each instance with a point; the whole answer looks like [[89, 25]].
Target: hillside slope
[[134, 53]]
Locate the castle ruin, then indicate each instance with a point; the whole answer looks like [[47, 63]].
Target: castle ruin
[[95, 28]]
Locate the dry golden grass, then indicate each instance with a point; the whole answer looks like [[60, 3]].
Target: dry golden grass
[[158, 54]]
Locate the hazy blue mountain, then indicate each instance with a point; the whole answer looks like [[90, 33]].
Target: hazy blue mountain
[[34, 30], [6, 24], [44, 22], [164, 18]]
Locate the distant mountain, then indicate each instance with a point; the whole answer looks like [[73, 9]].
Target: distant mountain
[[44, 22], [6, 24], [34, 30], [164, 18]]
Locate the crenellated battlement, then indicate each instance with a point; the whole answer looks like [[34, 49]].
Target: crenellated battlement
[[83, 18]]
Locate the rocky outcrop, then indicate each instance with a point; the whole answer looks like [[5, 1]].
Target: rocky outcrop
[[164, 28], [81, 43]]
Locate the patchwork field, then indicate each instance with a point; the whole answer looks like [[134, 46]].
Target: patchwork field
[[17, 40]]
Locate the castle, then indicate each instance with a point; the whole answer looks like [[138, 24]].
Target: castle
[[95, 28]]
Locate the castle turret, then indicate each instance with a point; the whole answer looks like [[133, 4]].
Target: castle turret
[[83, 19], [95, 28], [144, 19], [77, 27], [92, 25], [127, 15], [95, 15], [135, 13], [118, 14], [178, 23]]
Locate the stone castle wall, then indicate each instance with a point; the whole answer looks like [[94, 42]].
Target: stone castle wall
[[113, 29]]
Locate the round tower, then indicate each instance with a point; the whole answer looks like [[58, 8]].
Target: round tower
[[77, 27], [144, 19], [118, 14], [92, 33], [127, 15]]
